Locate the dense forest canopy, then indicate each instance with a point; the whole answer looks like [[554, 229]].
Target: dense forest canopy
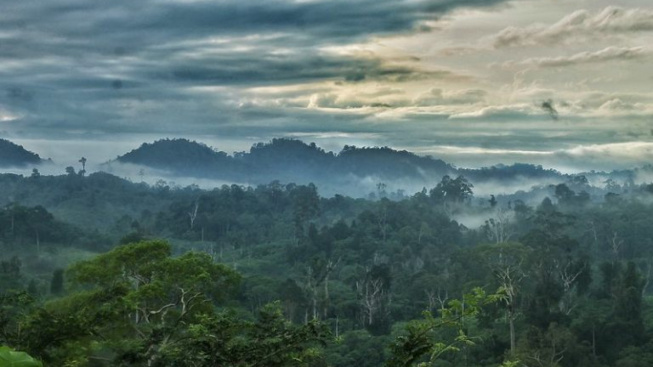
[[326, 183], [342, 281]]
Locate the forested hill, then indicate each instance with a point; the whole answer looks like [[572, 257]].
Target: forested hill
[[13, 155], [291, 160], [178, 155], [282, 159]]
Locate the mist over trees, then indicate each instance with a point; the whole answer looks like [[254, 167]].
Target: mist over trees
[[354, 171], [96, 270]]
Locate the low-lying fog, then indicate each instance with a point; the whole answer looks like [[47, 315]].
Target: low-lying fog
[[100, 153]]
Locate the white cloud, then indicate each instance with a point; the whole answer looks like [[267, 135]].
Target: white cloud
[[619, 154], [578, 26], [605, 55], [437, 96], [6, 116], [500, 111], [617, 104]]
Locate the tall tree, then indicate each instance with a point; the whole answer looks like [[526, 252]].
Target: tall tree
[[135, 301]]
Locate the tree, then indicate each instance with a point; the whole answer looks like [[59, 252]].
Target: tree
[[507, 262], [305, 207], [374, 298], [135, 302], [83, 162], [452, 191], [12, 358], [418, 341], [269, 341], [626, 324], [139, 306], [56, 285], [546, 348], [317, 275], [500, 229], [492, 201], [564, 194]]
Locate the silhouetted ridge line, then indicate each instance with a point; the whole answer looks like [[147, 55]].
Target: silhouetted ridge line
[[14, 155]]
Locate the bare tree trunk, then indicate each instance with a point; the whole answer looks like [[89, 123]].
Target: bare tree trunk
[[647, 279], [314, 304], [193, 215], [593, 341], [511, 321], [326, 296], [38, 244], [616, 245]]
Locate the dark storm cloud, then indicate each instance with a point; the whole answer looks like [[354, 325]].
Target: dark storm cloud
[[128, 65], [251, 68], [323, 21]]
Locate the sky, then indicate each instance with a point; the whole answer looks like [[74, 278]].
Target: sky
[[562, 83]]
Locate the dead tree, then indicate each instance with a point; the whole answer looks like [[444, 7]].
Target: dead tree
[[499, 228], [568, 277], [372, 296], [193, 215]]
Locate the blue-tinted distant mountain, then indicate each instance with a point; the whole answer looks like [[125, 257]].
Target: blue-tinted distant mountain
[[355, 171], [502, 172], [179, 156], [14, 155], [389, 163], [286, 160]]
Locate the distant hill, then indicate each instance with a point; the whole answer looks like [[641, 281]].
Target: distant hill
[[502, 172], [286, 160], [179, 156], [14, 155], [354, 171]]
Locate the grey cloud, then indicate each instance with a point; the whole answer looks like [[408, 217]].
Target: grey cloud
[[112, 65], [260, 68], [578, 26], [129, 26]]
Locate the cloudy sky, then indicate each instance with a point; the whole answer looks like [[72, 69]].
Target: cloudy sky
[[563, 83]]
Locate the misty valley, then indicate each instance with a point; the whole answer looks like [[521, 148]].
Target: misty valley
[[326, 183], [288, 255]]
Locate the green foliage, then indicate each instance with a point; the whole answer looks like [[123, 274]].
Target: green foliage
[[358, 348], [420, 338], [270, 340], [12, 358], [56, 284], [132, 303], [575, 274], [452, 191]]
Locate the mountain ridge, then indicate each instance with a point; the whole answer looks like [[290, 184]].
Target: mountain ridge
[[360, 169], [14, 155]]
